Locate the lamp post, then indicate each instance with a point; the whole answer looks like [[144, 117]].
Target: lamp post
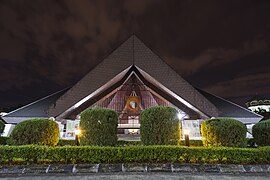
[[186, 133], [77, 132]]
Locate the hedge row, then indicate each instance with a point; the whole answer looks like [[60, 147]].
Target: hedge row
[[140, 154], [193, 143]]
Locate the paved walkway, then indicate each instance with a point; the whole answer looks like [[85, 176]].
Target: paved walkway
[[150, 176]]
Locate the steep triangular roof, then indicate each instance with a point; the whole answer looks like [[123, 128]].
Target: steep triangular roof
[[133, 54]]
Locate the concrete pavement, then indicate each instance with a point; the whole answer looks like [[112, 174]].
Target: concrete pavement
[[136, 176]]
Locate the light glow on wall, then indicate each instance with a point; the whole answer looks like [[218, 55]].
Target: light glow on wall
[[186, 131]]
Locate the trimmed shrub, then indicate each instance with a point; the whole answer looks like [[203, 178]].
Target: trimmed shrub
[[159, 126], [132, 154], [223, 132], [2, 126], [98, 127], [41, 131], [261, 133], [64, 142]]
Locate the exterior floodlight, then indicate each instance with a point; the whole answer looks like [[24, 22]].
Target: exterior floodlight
[[186, 133], [77, 132]]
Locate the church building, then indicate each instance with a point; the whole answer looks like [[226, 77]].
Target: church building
[[129, 80]]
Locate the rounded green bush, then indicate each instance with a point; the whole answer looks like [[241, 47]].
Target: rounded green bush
[[159, 126], [41, 131], [261, 133], [2, 126], [99, 127], [223, 132]]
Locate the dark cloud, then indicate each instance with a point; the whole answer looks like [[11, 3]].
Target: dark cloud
[[241, 89], [51, 44], [57, 40]]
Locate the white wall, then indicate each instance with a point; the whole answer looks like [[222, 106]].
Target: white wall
[[8, 129], [257, 108]]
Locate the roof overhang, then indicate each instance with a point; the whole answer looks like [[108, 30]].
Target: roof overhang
[[171, 93], [247, 120], [94, 96], [118, 80], [16, 120]]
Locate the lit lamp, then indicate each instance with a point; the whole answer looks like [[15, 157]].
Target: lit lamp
[[77, 132], [186, 133]]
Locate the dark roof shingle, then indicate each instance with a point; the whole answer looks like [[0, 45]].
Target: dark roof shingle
[[227, 108], [38, 108]]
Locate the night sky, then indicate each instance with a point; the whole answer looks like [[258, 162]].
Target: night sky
[[220, 46]]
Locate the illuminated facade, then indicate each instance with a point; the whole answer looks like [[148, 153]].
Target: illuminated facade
[[130, 80]]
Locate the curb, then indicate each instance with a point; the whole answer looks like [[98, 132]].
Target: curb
[[132, 167]]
